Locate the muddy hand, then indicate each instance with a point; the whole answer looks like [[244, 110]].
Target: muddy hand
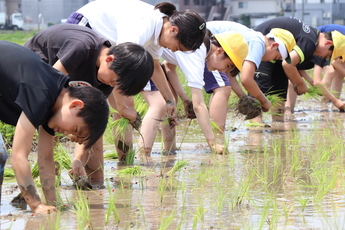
[[189, 110], [137, 123], [172, 122], [301, 88], [266, 105], [77, 169], [340, 105]]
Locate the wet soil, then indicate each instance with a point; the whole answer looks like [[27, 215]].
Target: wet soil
[[241, 190]]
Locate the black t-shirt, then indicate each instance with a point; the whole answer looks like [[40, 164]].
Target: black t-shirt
[[28, 85], [77, 47], [306, 36]]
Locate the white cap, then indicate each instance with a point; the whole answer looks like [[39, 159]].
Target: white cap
[[282, 48]]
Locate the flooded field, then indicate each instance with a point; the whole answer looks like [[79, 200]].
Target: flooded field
[[289, 176]]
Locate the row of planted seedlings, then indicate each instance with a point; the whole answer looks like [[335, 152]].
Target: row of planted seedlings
[[298, 175], [217, 189]]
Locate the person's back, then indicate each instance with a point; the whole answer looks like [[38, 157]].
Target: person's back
[[17, 97], [108, 17], [76, 47], [306, 36]]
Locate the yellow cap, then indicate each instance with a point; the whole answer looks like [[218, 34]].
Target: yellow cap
[[339, 45], [283, 38], [234, 46]]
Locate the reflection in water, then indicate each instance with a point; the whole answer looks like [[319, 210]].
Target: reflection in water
[[289, 176]]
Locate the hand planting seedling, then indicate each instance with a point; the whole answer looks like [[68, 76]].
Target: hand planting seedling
[[137, 123], [189, 110], [81, 182], [249, 106]]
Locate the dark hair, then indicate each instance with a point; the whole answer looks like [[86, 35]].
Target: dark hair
[[328, 36], [207, 40], [134, 66], [192, 27], [95, 112], [215, 42]]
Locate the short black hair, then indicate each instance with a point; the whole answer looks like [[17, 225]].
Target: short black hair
[[95, 112], [134, 66], [192, 27]]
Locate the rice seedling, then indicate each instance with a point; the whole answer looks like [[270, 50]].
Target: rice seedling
[[167, 220], [198, 214], [62, 161], [185, 133], [183, 211], [82, 211], [120, 124], [111, 155], [9, 172], [215, 127], [303, 201], [111, 210], [314, 92], [177, 167], [131, 171], [161, 188], [142, 214]]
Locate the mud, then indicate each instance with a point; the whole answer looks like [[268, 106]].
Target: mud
[[240, 190]]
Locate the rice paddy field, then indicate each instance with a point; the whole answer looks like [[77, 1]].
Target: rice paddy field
[[289, 176]]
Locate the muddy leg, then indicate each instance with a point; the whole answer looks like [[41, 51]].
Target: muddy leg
[[3, 158]]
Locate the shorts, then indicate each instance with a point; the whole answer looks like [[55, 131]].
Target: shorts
[[79, 19], [150, 86], [214, 80], [271, 78]]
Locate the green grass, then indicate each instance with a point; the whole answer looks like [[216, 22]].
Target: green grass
[[19, 37]]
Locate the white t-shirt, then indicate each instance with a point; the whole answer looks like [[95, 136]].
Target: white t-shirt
[[126, 21], [193, 64]]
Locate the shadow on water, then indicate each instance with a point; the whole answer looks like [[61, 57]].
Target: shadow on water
[[289, 176]]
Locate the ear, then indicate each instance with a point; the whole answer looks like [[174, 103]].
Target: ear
[[77, 104], [110, 58], [274, 45], [174, 29], [329, 42], [220, 50]]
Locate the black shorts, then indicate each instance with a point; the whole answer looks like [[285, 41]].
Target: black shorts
[[271, 78]]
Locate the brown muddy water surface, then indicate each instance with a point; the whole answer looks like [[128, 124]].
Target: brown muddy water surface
[[289, 176]]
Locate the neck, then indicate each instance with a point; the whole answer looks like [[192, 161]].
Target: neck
[[102, 55], [59, 100]]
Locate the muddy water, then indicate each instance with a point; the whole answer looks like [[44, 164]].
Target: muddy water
[[269, 180]]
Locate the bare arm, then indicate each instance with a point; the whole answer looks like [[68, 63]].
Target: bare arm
[[235, 86], [203, 117], [58, 65], [175, 83], [46, 165], [174, 80], [162, 84], [21, 148], [293, 74], [248, 82], [318, 81], [123, 104]]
